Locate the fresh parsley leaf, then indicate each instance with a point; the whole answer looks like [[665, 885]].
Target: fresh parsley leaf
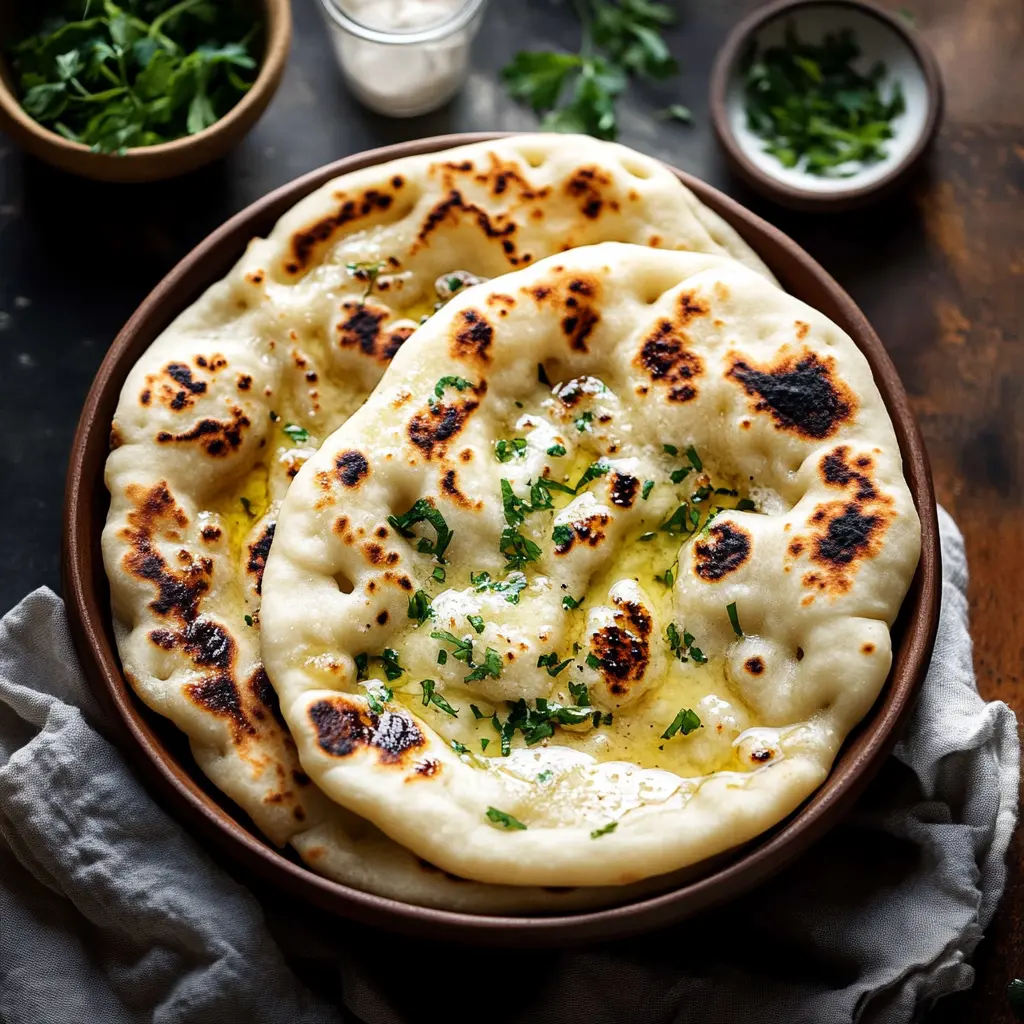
[[645, 491], [505, 451], [510, 587], [592, 472], [569, 603], [484, 742], [668, 577], [562, 535], [584, 420], [477, 713], [503, 819], [552, 485], [606, 830], [442, 657], [734, 618], [419, 606], [362, 662], [459, 383], [248, 619], [491, 666], [463, 648], [438, 574], [593, 661], [517, 549], [682, 645], [679, 521], [685, 722], [545, 776], [556, 451], [670, 449], [745, 505], [423, 511], [377, 697], [367, 272], [677, 476], [431, 696], [580, 693], [695, 460], [459, 748], [476, 622], [676, 112], [247, 505], [389, 662], [552, 664], [645, 537]]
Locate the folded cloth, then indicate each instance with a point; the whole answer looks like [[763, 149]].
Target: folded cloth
[[110, 912]]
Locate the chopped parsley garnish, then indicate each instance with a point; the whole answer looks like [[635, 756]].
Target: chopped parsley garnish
[[477, 713], [377, 697], [684, 519], [685, 722], [454, 283], [568, 603], [503, 819], [419, 606], [491, 666], [593, 661], [670, 449], [432, 697], [682, 646], [505, 451], [510, 587], [538, 723], [517, 549], [362, 666], [599, 719], [745, 505], [476, 622], [549, 485], [677, 476], [695, 460], [545, 776], [584, 420], [484, 742], [442, 657], [562, 535], [703, 492], [552, 664], [814, 109], [668, 577], [368, 272], [542, 377], [734, 618], [248, 619], [459, 383], [592, 472], [424, 512], [459, 748], [247, 505], [580, 693], [388, 659], [297, 434], [646, 537], [439, 574], [556, 451], [645, 491], [463, 648], [727, 491], [606, 830]]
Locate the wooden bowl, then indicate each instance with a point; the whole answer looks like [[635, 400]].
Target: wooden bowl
[[161, 752], [168, 160], [882, 36]]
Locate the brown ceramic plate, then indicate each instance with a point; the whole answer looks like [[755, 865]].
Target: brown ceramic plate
[[161, 753]]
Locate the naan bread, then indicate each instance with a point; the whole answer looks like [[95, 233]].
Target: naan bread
[[696, 685], [226, 405]]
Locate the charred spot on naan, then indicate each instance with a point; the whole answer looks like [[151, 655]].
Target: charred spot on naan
[[309, 243], [454, 208], [472, 337], [802, 392], [590, 187], [839, 469], [725, 549], [576, 299], [623, 488], [589, 531], [623, 650], [343, 729], [351, 468], [175, 387], [665, 355], [362, 329], [217, 438], [219, 695], [431, 429], [259, 549], [428, 768], [450, 489], [266, 699]]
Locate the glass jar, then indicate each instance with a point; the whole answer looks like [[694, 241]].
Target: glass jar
[[403, 57]]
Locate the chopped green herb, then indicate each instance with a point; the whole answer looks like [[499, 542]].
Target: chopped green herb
[[503, 819], [377, 697], [247, 505], [701, 494], [454, 283], [676, 112], [545, 776], [484, 742], [552, 664], [537, 723], [677, 476], [367, 272], [584, 420], [439, 574], [644, 537], [273, 416], [419, 606], [553, 485], [645, 491], [459, 748], [580, 693], [745, 505], [542, 377], [517, 549], [568, 603], [682, 646], [477, 713], [685, 722], [362, 666], [297, 434], [459, 383], [592, 472], [430, 696], [670, 449], [814, 109], [734, 619], [463, 648], [248, 620], [491, 666], [679, 521], [562, 535], [510, 587], [389, 662], [505, 451], [476, 622], [556, 451], [442, 657], [695, 461], [668, 577], [422, 512], [593, 661], [727, 491], [607, 830]]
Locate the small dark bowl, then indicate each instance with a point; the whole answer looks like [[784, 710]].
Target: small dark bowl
[[882, 36], [161, 753]]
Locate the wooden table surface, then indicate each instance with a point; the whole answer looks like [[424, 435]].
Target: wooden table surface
[[938, 269]]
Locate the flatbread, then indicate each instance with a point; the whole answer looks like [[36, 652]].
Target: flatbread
[[224, 407], [696, 686]]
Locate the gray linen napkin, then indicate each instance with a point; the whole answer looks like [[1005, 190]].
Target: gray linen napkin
[[110, 912]]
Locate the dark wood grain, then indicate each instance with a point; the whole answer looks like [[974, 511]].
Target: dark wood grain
[[939, 270]]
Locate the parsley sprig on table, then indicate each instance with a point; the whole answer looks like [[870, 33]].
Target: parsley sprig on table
[[814, 109], [576, 92], [148, 71]]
